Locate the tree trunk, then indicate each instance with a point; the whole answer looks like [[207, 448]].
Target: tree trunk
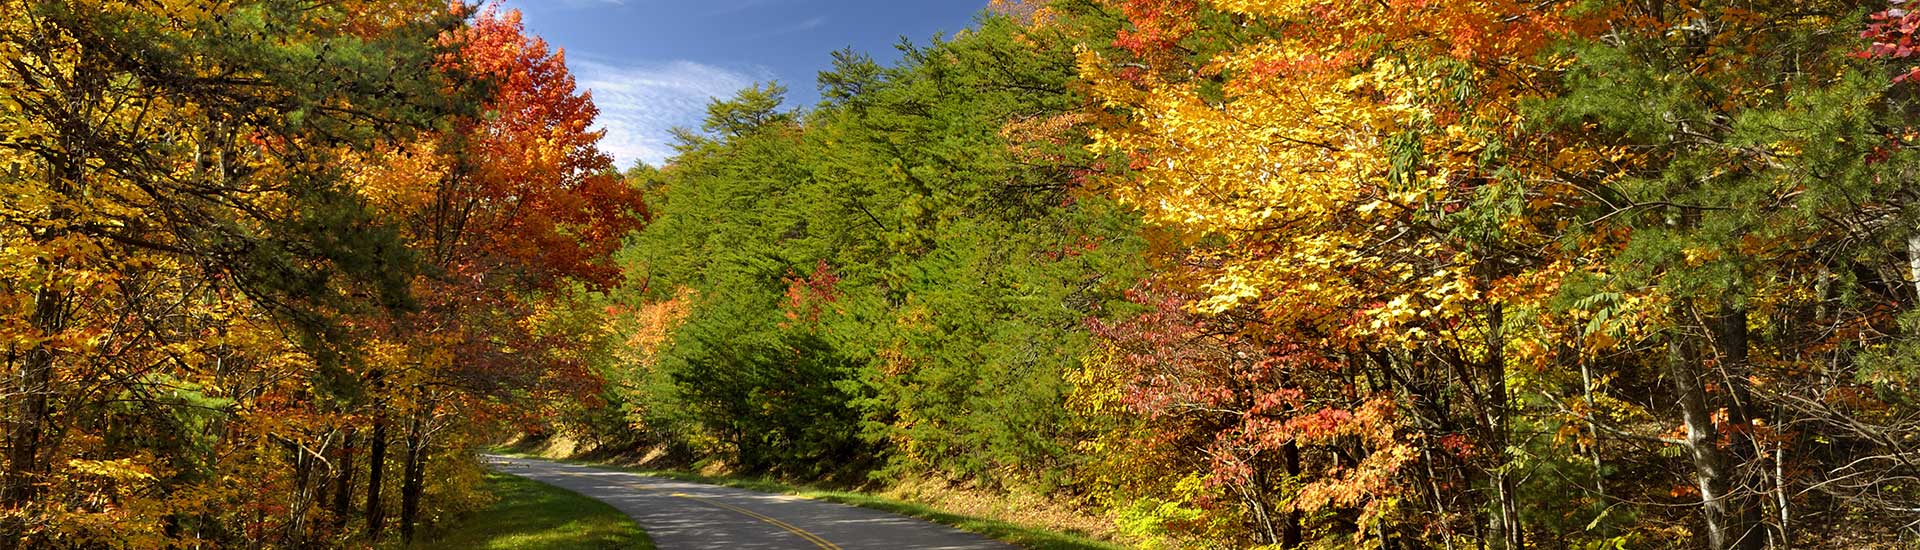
[[1710, 473], [1510, 528], [20, 484], [301, 498], [1593, 428], [376, 472], [415, 476], [1290, 533], [343, 485], [32, 410], [1512, 534], [1439, 502], [33, 389], [1913, 262], [1733, 336], [323, 493]]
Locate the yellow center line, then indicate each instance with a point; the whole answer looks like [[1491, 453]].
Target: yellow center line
[[815, 539], [824, 544]]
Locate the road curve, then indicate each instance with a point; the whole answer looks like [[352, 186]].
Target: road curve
[[682, 515]]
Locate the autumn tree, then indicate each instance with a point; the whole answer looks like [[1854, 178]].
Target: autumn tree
[[512, 209], [1574, 261], [1750, 225], [1339, 167], [230, 228], [181, 249]]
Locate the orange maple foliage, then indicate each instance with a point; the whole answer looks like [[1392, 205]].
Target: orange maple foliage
[[1308, 153], [542, 194]]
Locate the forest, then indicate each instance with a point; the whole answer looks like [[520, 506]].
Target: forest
[[1314, 274]]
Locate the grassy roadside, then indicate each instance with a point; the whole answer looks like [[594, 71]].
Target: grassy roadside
[[536, 516], [1024, 536]]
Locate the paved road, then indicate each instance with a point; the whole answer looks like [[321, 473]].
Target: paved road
[[681, 515]]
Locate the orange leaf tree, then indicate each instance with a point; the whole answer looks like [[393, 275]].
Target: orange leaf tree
[[1345, 176]]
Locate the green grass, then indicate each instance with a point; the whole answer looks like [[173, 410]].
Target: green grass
[[535, 516], [1024, 536]]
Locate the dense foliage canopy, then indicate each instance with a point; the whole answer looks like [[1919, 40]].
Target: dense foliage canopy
[[1562, 274], [250, 246]]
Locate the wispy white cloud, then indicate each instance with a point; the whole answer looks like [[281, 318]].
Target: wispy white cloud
[[717, 8], [640, 103], [810, 23]]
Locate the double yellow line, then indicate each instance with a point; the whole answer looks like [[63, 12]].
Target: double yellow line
[[790, 528], [802, 533]]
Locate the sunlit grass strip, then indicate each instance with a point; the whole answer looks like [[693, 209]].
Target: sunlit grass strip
[[531, 515]]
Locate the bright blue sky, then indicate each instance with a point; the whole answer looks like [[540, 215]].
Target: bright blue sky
[[654, 64]]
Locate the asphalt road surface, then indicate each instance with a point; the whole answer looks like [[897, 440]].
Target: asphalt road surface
[[682, 515]]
